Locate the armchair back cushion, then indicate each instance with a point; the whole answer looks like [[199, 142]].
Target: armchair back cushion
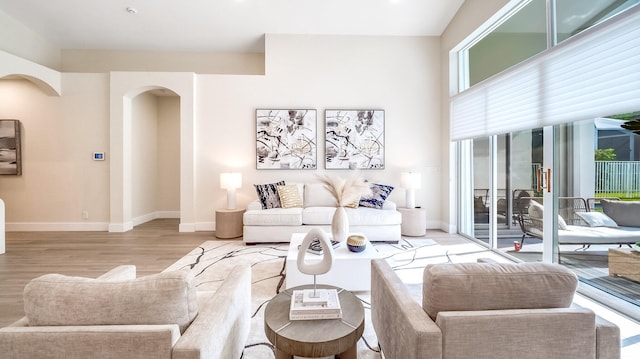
[[624, 213], [492, 286], [163, 298]]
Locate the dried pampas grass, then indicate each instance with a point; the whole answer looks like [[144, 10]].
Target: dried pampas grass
[[346, 190]]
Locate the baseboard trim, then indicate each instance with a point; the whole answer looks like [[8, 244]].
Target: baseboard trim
[[58, 227], [205, 226], [104, 226]]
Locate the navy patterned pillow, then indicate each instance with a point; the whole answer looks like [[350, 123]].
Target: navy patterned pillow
[[268, 194], [379, 194]]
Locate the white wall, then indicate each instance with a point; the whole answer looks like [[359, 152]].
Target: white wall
[[168, 198], [398, 74], [59, 135], [156, 157], [144, 155], [157, 61], [21, 41]]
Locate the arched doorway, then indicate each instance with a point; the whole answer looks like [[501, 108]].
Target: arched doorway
[[124, 87], [155, 155]]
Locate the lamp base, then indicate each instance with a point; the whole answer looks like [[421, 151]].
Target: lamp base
[[410, 198], [231, 198]]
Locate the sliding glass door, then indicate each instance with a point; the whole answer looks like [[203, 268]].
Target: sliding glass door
[[526, 192]]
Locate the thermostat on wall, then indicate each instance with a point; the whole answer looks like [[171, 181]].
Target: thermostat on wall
[[98, 156]]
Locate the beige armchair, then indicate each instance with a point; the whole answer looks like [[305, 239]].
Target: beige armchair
[[120, 316], [487, 310]]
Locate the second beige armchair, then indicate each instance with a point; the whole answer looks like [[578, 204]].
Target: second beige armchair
[[487, 310]]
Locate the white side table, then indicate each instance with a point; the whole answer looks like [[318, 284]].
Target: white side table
[[414, 221]]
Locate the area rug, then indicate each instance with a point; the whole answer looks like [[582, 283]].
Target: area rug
[[212, 261]]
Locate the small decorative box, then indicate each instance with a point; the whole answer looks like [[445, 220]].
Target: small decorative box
[[356, 243]]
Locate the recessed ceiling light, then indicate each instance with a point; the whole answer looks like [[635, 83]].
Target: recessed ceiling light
[[132, 10]]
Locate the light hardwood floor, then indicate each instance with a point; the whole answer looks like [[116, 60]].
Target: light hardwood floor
[[152, 247]]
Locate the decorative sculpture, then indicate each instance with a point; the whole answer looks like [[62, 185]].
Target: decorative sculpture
[[317, 267]]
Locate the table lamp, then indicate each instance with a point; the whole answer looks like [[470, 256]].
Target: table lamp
[[410, 181], [231, 181]]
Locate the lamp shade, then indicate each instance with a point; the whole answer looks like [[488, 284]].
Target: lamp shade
[[231, 180], [410, 180]]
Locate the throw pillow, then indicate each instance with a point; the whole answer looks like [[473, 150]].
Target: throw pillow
[[561, 223], [353, 204], [289, 196], [536, 211], [379, 194], [597, 219], [268, 194], [624, 213]]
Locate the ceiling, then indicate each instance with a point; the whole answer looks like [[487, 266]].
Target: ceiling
[[220, 25]]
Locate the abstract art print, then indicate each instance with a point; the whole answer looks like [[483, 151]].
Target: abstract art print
[[10, 157], [354, 139], [286, 139]]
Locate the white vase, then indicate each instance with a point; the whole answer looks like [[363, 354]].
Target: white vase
[[340, 225]]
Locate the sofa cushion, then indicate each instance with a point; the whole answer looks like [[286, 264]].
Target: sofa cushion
[[597, 219], [626, 214], [268, 194], [289, 196], [273, 217], [317, 195], [318, 215], [360, 216], [163, 298], [363, 216], [379, 194], [492, 286]]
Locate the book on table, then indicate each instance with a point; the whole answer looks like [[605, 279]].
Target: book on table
[[325, 304], [316, 248]]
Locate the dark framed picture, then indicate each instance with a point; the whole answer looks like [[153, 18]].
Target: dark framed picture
[[10, 152], [286, 139], [354, 139]]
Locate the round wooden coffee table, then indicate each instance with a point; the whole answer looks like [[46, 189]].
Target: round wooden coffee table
[[314, 338]]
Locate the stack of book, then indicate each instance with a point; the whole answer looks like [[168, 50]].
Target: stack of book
[[316, 248], [308, 304]]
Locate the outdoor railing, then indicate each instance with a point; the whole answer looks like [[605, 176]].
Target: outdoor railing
[[621, 178]]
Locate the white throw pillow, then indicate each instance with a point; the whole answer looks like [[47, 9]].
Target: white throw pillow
[[536, 211], [597, 219]]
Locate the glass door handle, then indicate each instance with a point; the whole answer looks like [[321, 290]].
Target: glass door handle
[[544, 179]]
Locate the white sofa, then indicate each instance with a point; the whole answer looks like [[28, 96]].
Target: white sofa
[[277, 224]]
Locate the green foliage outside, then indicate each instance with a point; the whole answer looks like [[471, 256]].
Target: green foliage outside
[[621, 195], [606, 154]]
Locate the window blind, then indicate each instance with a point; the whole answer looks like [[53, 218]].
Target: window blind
[[594, 74]]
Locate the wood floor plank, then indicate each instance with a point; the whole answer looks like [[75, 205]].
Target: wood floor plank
[[152, 247]]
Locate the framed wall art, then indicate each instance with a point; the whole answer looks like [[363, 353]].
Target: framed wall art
[[286, 139], [10, 152], [354, 139]]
